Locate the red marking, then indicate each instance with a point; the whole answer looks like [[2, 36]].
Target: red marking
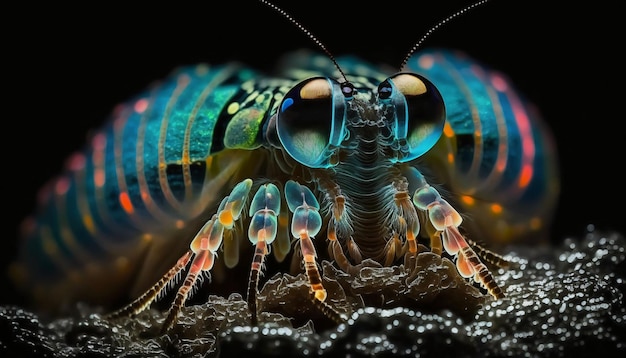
[[98, 144], [99, 141], [99, 178], [528, 145], [141, 105], [501, 165], [126, 204], [526, 175], [499, 83], [61, 186]]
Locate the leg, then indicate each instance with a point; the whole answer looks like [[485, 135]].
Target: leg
[[340, 223], [264, 211], [202, 253], [305, 224], [446, 220]]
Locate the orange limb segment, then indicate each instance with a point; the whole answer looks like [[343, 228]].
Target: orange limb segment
[[264, 211], [305, 224], [446, 220], [202, 252]]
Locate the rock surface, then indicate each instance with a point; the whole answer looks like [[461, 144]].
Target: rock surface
[[563, 301]]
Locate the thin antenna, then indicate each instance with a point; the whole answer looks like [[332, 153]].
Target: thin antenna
[[434, 28], [308, 33]]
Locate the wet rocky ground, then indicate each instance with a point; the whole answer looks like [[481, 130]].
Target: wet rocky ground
[[562, 301]]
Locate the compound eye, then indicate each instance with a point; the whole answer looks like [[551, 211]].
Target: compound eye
[[420, 111], [307, 120]]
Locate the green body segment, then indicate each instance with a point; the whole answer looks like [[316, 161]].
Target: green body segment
[[128, 205]]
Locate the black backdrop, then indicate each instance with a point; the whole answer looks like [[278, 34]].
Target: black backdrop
[[70, 65]]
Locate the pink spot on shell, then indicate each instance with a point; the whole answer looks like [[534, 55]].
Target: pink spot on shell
[[426, 61], [62, 186], [141, 105], [76, 162], [499, 83]]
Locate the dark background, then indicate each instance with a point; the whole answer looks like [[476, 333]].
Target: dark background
[[70, 66]]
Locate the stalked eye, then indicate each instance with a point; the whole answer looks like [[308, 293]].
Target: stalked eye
[[420, 112], [310, 121]]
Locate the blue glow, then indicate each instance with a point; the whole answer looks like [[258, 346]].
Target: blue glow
[[286, 103]]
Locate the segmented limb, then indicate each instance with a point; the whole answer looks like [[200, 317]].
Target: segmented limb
[[339, 222], [305, 224], [488, 255], [406, 223], [145, 300], [264, 210], [202, 253], [446, 220]]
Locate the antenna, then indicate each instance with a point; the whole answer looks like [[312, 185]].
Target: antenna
[[308, 33], [417, 45]]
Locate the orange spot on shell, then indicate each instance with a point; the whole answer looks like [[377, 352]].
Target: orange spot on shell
[[426, 61], [450, 158], [499, 83], [526, 175], [126, 203], [496, 208], [62, 186], [468, 200], [99, 178], [448, 131]]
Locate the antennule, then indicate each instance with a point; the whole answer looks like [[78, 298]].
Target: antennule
[[308, 33], [434, 28]]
